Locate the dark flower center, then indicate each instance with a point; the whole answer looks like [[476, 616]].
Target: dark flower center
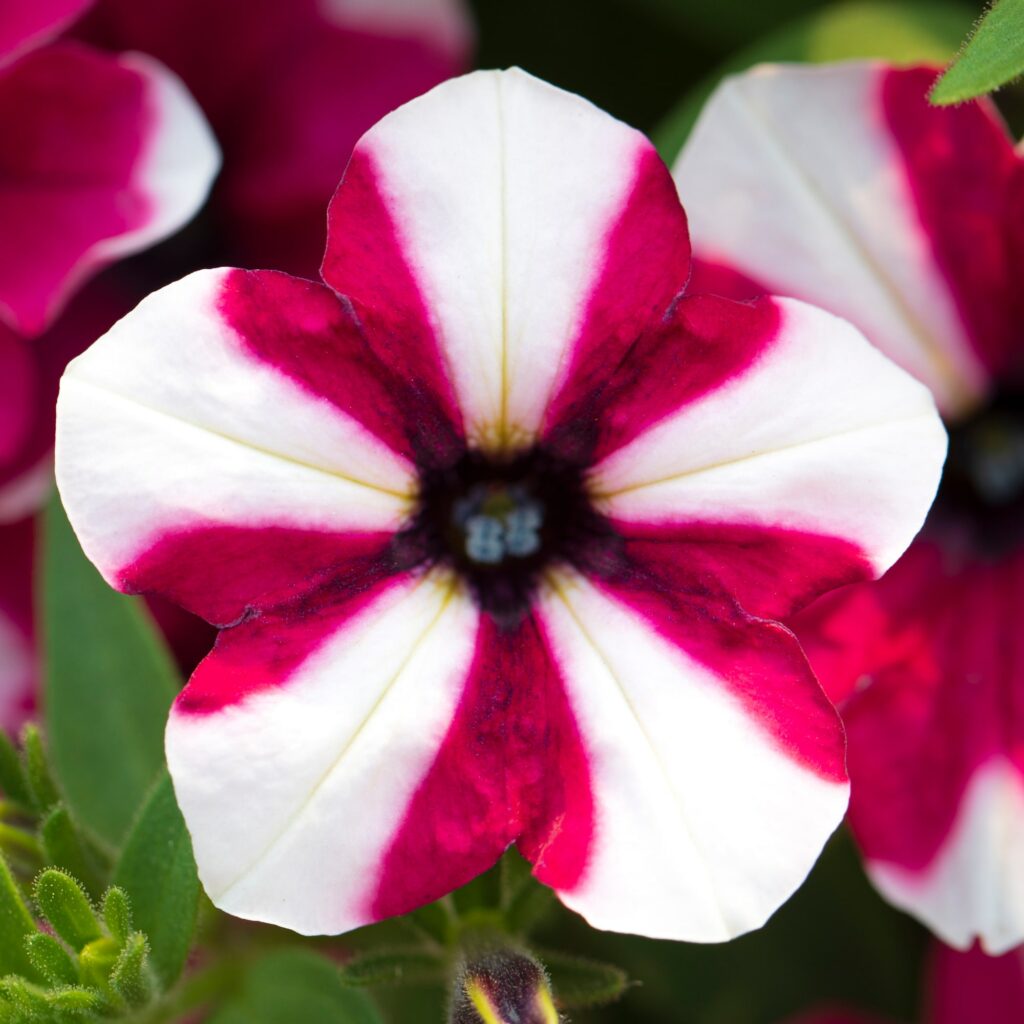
[[501, 523], [983, 482]]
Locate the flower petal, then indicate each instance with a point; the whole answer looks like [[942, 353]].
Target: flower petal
[[809, 428], [17, 644], [444, 24], [844, 187], [936, 736], [507, 204], [178, 424], [293, 791], [707, 737], [17, 391], [511, 769], [102, 157], [975, 986], [25, 24]]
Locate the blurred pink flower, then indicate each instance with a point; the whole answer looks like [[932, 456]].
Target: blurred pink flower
[[289, 88], [100, 156], [843, 186]]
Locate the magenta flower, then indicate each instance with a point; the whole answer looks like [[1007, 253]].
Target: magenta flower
[[101, 156], [289, 88], [851, 191], [495, 523], [17, 645]]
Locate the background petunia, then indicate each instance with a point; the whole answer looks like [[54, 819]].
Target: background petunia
[[289, 88], [851, 191]]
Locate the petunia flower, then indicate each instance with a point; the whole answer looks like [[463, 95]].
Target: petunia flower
[[289, 88], [18, 666], [101, 156], [495, 522], [851, 191]]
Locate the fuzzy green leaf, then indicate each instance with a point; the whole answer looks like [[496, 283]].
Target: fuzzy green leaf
[[117, 913], [109, 684], [412, 966], [13, 782], [42, 789], [51, 959], [16, 924], [579, 983], [991, 57], [64, 903], [29, 1000], [130, 977], [295, 985], [158, 870], [76, 1002], [65, 848]]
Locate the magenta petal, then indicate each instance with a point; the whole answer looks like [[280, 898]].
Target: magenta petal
[[931, 662], [511, 769], [28, 23], [699, 346], [17, 645], [17, 393], [100, 156], [973, 986]]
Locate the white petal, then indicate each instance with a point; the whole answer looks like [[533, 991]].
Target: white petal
[[821, 433], [293, 796]]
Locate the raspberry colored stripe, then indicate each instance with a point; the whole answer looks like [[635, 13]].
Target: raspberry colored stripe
[[759, 661], [959, 164], [365, 261], [364, 365], [647, 262], [511, 769], [225, 573], [699, 346]]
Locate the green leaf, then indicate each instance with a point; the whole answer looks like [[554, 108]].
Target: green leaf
[[919, 30], [65, 848], [992, 56], [579, 983], [42, 788], [16, 924], [130, 977], [64, 903], [51, 959], [117, 913], [159, 873], [109, 684], [13, 782], [412, 966], [295, 985], [76, 1001]]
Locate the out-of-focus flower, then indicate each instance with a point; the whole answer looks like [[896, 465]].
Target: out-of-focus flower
[[25, 24], [961, 988], [494, 524], [851, 191], [100, 156], [17, 646], [289, 88]]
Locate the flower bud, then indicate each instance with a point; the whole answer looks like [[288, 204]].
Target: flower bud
[[503, 987]]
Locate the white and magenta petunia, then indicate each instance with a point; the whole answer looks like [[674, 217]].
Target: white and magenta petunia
[[101, 156], [851, 191], [495, 523], [289, 88]]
